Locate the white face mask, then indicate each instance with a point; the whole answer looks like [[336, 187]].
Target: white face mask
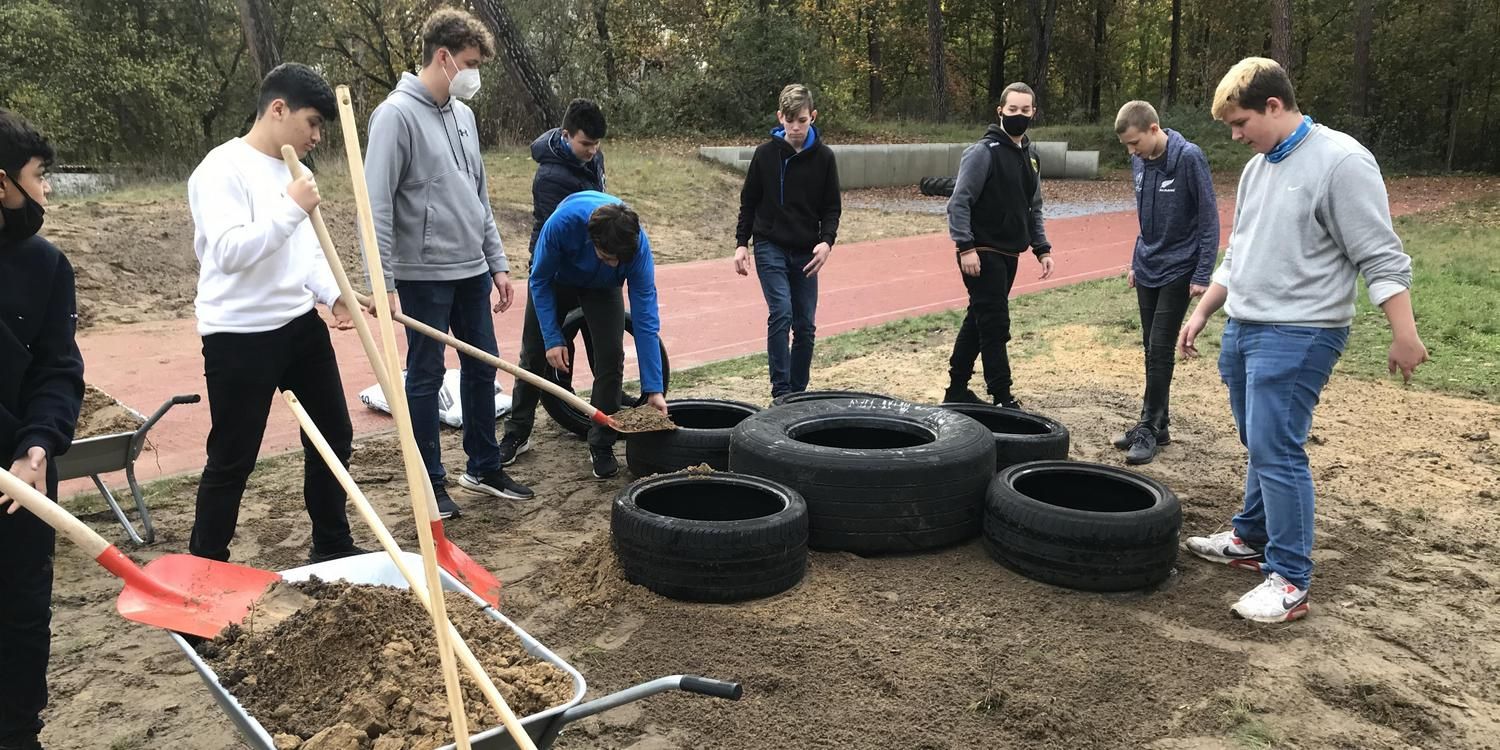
[[465, 84]]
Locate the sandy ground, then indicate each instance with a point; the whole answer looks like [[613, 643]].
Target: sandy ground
[[945, 649]]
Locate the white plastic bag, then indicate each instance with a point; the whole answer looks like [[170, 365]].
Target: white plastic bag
[[450, 408]]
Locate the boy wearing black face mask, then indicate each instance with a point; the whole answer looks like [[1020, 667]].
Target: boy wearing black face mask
[[994, 215], [41, 392]]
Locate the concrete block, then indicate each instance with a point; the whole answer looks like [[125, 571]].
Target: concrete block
[[1081, 165]]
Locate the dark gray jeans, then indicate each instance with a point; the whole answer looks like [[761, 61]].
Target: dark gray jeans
[[604, 313], [1162, 310]]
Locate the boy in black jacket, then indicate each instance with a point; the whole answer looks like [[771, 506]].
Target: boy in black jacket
[[41, 391], [994, 215], [790, 204]]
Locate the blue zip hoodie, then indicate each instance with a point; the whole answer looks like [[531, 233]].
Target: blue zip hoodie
[[1179, 217], [564, 256]]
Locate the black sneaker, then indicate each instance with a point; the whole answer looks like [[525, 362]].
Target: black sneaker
[[1009, 403], [497, 484], [511, 448], [321, 555], [446, 507], [605, 465], [29, 742], [1143, 446], [962, 396], [1163, 437]]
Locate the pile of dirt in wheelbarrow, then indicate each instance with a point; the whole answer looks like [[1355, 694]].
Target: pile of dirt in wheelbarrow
[[358, 669], [103, 415]]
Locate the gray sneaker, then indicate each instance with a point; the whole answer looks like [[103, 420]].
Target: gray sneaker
[[496, 484], [1163, 437], [1143, 446]]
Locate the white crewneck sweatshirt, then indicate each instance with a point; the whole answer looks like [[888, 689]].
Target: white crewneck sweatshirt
[[261, 266]]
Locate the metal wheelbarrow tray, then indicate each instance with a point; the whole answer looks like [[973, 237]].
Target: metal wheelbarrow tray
[[103, 454], [376, 568]]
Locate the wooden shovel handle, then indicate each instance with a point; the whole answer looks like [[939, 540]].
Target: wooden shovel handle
[[52, 514]]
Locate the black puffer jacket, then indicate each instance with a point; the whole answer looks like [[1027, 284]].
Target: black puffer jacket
[[41, 370], [559, 174]]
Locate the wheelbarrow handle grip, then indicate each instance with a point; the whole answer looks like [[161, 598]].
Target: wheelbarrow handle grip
[[716, 688], [191, 398]]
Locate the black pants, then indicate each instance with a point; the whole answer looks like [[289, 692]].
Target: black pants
[[986, 328], [26, 546], [604, 311], [244, 372], [1162, 310]]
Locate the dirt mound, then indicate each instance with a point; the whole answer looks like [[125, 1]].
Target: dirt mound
[[103, 415], [362, 658], [593, 574]]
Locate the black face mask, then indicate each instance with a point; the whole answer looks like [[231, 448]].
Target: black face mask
[[1015, 125], [21, 223]]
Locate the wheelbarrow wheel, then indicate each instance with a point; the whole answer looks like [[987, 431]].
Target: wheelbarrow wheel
[[571, 419], [716, 537]]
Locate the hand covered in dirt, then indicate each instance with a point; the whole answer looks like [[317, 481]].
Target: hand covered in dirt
[[658, 402], [820, 256], [1046, 261], [1406, 353], [1187, 338], [968, 262], [32, 469], [342, 319], [1130, 278], [507, 293], [557, 356], [742, 260], [1196, 290], [304, 190]]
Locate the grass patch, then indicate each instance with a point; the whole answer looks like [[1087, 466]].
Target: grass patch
[[1245, 728]]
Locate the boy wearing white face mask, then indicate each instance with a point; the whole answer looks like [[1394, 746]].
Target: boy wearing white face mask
[[438, 243]]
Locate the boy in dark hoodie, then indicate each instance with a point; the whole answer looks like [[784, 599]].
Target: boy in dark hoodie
[[994, 215], [569, 161], [41, 392], [1173, 260], [790, 204]]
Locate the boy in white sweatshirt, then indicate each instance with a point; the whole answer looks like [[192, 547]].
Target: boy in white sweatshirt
[[262, 273]]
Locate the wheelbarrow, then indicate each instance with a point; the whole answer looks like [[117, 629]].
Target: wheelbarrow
[[102, 454], [376, 568]]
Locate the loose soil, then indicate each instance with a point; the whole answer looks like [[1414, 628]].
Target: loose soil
[[360, 662], [135, 262], [642, 419], [944, 649], [101, 414]]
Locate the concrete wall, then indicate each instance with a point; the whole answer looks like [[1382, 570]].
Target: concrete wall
[[886, 165]]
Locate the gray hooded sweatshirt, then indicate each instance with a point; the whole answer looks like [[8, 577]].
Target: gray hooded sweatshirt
[[428, 190]]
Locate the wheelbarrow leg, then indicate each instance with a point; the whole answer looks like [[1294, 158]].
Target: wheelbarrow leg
[[690, 683], [114, 505]]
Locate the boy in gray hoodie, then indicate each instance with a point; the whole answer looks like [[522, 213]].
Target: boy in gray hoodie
[[438, 243], [1312, 213]]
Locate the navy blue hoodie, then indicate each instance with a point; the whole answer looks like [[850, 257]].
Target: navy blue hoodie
[[41, 370], [1174, 200], [559, 174]]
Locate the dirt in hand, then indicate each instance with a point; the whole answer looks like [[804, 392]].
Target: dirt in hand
[[358, 668], [642, 419], [103, 415]]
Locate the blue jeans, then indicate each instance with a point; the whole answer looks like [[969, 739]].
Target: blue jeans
[[463, 308], [792, 299], [1275, 375]]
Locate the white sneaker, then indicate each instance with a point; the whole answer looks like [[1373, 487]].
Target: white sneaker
[[1226, 547], [1274, 600]]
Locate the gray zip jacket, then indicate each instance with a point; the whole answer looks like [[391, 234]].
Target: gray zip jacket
[[428, 190]]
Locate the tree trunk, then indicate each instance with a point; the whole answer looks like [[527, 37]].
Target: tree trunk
[[1364, 29], [601, 23], [1281, 33], [872, 51], [1096, 70], [1452, 99], [1174, 64], [935, 55], [260, 34], [1043, 23], [997, 54], [520, 64]]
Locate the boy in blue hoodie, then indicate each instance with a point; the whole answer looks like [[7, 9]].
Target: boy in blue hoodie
[[1173, 260], [790, 204], [439, 247], [41, 392], [589, 248]]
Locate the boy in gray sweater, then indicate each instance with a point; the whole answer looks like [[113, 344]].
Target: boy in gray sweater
[[1312, 213], [439, 246]]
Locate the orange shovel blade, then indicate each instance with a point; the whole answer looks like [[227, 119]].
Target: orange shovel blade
[[461, 566], [192, 595]]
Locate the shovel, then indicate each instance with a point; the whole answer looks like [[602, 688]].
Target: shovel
[[452, 559], [182, 593], [568, 397], [460, 647]]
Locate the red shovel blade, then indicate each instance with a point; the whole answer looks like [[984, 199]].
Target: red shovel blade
[[187, 594], [461, 566]]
